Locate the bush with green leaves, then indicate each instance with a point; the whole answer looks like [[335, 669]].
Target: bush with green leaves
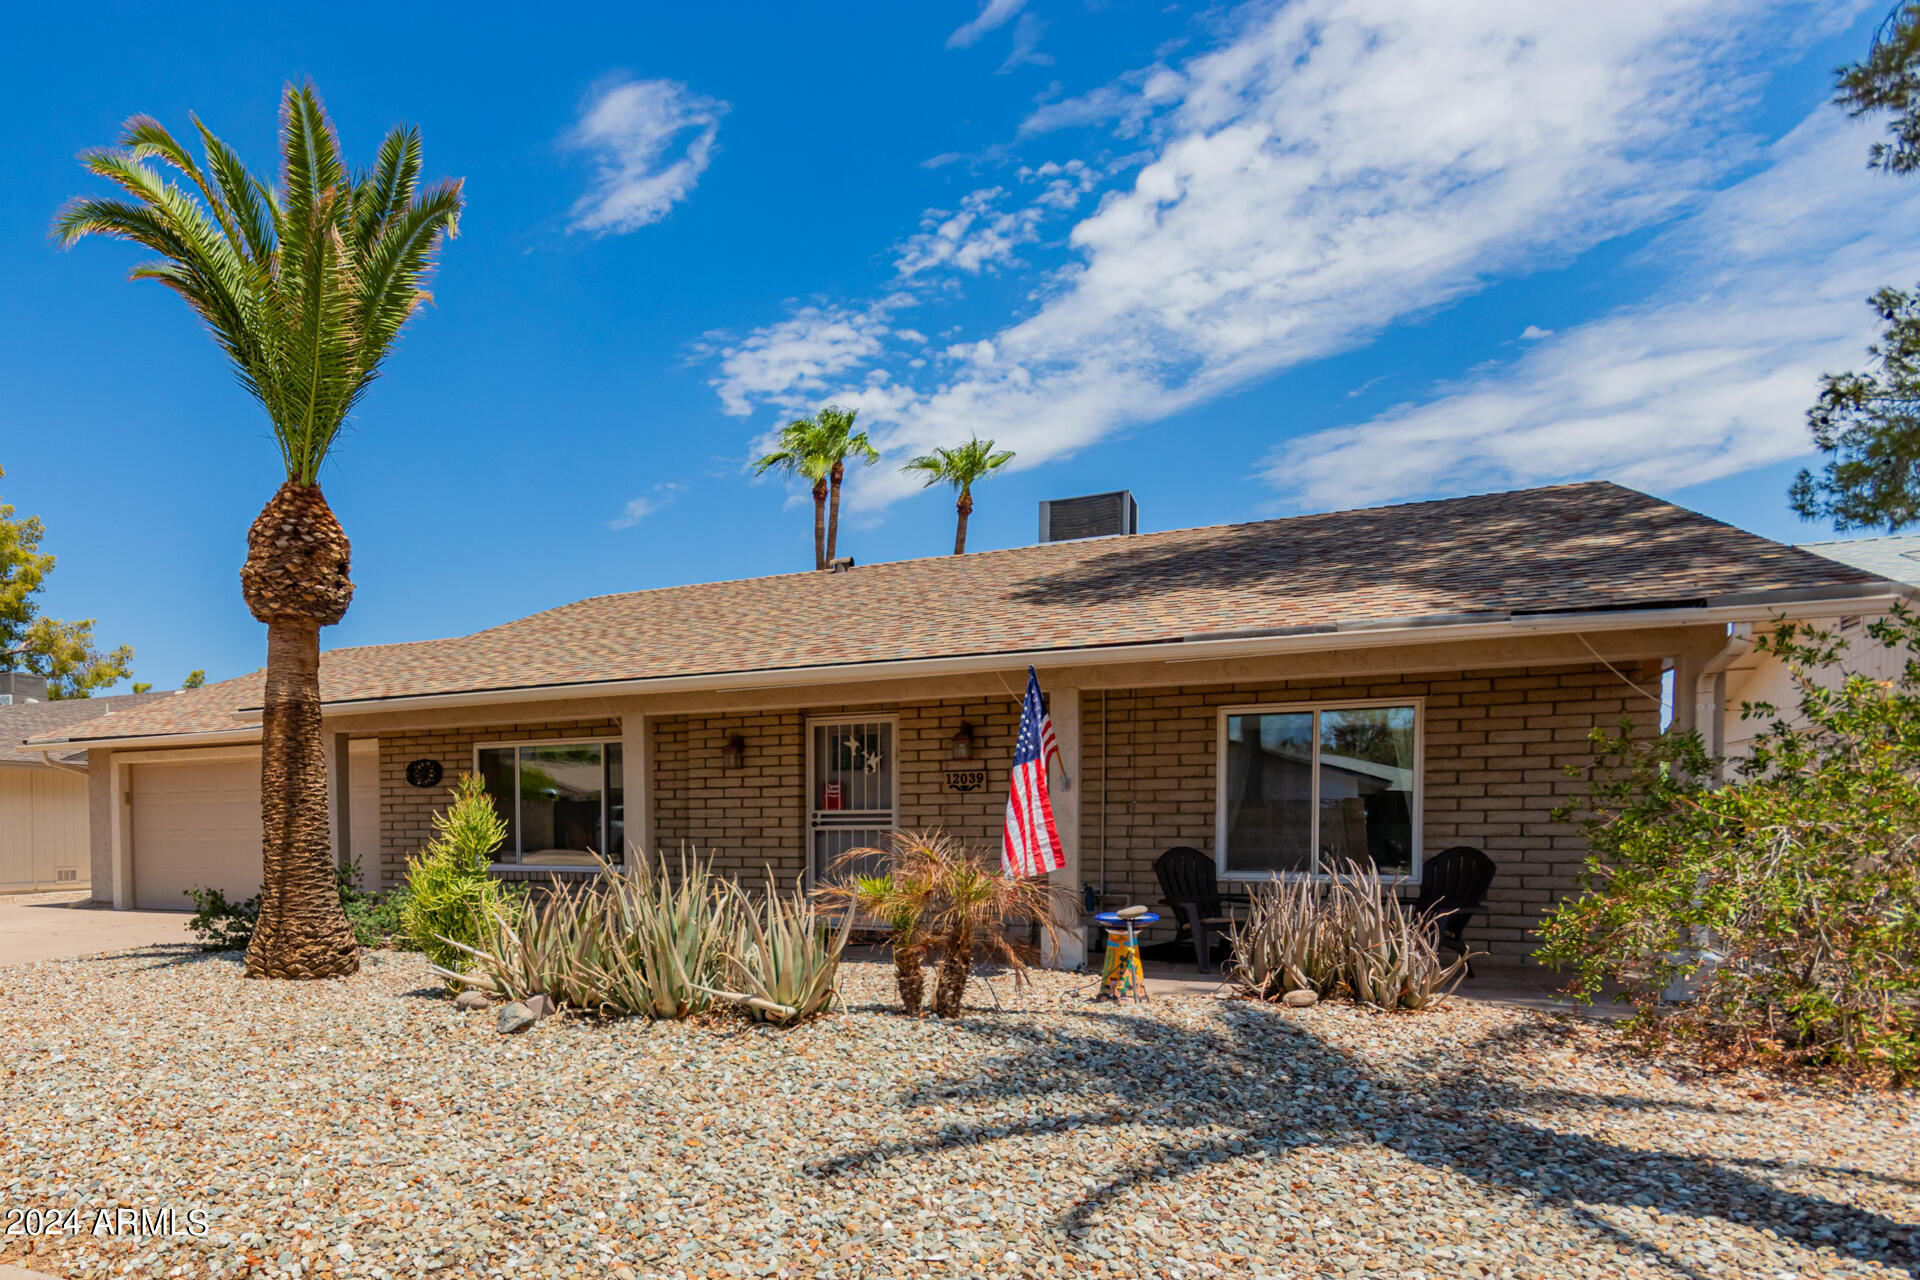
[[1768, 907], [450, 891], [220, 924], [224, 925]]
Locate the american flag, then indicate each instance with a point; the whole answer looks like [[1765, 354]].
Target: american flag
[[1031, 846]]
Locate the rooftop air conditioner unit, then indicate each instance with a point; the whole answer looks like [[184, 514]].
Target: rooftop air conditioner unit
[[1095, 515]]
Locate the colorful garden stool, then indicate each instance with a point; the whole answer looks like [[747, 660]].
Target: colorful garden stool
[[1121, 978]]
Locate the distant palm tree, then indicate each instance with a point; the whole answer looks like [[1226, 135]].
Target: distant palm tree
[[842, 442], [803, 453], [304, 286], [817, 449], [962, 468]]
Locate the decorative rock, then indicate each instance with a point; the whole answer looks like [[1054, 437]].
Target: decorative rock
[[540, 1006], [470, 1000], [1299, 999], [516, 1017]]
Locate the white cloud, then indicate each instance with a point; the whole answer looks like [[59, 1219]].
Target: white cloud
[[650, 141], [1533, 333], [972, 239], [993, 15], [640, 508], [633, 513], [798, 355], [1710, 377], [1026, 45], [1334, 167]]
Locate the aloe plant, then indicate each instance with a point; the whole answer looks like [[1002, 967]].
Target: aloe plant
[[785, 955], [1350, 936]]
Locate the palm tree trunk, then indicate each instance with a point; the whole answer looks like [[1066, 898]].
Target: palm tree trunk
[[833, 517], [965, 508], [820, 523], [956, 962], [909, 975], [295, 580]]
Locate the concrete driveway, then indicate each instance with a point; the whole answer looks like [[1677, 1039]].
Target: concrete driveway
[[50, 926]]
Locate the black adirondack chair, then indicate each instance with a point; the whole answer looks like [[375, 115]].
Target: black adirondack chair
[[1190, 890], [1453, 887]]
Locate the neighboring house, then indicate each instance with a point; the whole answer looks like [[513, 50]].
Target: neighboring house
[[1284, 695], [1762, 678], [43, 794]]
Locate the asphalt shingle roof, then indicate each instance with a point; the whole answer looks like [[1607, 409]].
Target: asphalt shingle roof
[[23, 720], [1896, 557], [1579, 546]]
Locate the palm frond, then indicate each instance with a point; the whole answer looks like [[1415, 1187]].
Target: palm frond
[[304, 287]]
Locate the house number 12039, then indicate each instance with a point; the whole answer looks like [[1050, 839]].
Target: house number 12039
[[966, 779]]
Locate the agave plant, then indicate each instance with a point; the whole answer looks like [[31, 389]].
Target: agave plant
[[638, 942], [1351, 936], [784, 955]]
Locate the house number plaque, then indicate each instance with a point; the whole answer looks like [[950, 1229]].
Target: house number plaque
[[966, 779]]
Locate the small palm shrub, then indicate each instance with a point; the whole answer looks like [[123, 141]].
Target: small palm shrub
[[784, 956], [963, 903], [1350, 937], [889, 898], [450, 892]]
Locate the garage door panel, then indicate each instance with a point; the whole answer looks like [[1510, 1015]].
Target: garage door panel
[[195, 825]]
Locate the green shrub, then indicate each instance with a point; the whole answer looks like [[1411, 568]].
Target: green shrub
[[1348, 937], [219, 924], [450, 893], [222, 925], [1780, 908]]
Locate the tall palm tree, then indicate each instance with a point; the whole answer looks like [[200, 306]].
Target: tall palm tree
[[817, 449], [962, 467], [304, 286], [840, 441], [803, 453]]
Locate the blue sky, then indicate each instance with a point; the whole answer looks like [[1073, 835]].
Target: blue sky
[[1245, 260]]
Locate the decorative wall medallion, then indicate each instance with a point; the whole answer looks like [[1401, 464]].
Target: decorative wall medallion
[[424, 773], [966, 779]]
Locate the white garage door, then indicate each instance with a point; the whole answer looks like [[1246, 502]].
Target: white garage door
[[195, 825]]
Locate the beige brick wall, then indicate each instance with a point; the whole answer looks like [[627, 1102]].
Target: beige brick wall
[[753, 818], [406, 811], [1497, 743]]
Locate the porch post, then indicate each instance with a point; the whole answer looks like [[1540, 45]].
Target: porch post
[[636, 765], [1064, 707], [340, 797]]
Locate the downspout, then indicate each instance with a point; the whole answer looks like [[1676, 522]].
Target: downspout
[[1739, 644]]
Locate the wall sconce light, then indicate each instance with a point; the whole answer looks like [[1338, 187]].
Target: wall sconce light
[[734, 754], [963, 743]]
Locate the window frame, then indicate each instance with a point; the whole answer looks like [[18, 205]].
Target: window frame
[[606, 799], [1417, 803]]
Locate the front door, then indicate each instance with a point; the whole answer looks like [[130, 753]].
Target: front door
[[852, 796]]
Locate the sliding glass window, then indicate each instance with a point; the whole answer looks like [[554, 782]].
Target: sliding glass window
[[563, 801], [1306, 790]]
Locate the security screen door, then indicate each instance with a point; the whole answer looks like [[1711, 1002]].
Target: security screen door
[[852, 797]]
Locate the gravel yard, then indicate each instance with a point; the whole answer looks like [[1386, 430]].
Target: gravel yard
[[367, 1128]]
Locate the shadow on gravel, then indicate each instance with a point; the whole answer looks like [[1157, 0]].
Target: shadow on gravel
[[1278, 1088], [165, 955]]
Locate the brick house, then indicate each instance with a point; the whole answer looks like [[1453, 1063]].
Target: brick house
[[1377, 685]]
